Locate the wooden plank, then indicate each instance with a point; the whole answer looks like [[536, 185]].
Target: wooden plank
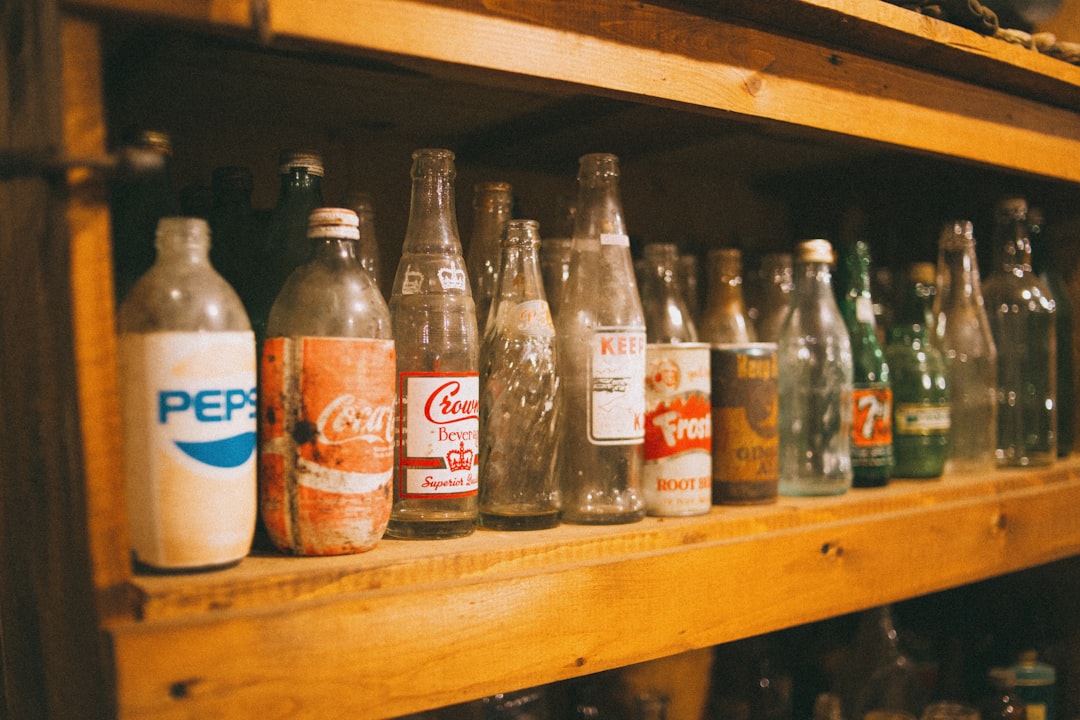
[[241, 14], [442, 638]]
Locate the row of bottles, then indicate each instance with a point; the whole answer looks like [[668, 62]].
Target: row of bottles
[[463, 400]]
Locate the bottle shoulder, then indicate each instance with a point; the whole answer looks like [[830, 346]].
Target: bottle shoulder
[[322, 300], [186, 298]]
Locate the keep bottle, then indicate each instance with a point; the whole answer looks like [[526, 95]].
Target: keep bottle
[[187, 392], [438, 349], [601, 343], [327, 400]]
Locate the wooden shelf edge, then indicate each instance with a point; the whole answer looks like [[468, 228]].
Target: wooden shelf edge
[[516, 611]]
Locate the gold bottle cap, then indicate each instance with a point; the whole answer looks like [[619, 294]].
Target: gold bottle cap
[[814, 251]]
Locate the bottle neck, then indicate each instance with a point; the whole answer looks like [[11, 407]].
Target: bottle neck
[[812, 279], [298, 181], [1016, 248], [431, 227], [960, 279], [183, 241], [599, 208], [335, 251]]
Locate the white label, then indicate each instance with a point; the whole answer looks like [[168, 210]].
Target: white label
[[864, 310], [531, 318], [617, 387], [441, 435], [189, 419], [617, 239]]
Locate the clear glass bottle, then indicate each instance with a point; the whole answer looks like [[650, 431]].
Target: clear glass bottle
[[136, 204], [327, 397], [689, 282], [725, 319], [872, 395], [776, 274], [1022, 321], [286, 248], [815, 378], [963, 334], [921, 418], [519, 402], [363, 205], [187, 394], [879, 675], [1042, 264], [492, 205], [601, 341], [234, 249], [556, 250], [1001, 701], [438, 352], [677, 474]]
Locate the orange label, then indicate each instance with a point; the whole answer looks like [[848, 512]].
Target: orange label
[[327, 442], [872, 417]]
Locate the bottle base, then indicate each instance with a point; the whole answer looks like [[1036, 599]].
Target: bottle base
[[814, 488], [542, 520], [603, 518], [876, 481], [435, 529]]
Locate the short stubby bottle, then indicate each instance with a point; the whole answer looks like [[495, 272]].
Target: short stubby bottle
[[1021, 313], [815, 377], [677, 476], [519, 383], [438, 362], [872, 395], [962, 332], [601, 342], [921, 415], [492, 204], [326, 401], [187, 393]]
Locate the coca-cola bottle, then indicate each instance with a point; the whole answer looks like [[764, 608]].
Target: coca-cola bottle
[[438, 350], [519, 384], [326, 396], [492, 202], [187, 392], [601, 342]]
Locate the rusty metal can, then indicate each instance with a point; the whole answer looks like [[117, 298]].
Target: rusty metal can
[[745, 443], [677, 474]]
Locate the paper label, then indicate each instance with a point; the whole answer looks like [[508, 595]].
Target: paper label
[[439, 438], [617, 387]]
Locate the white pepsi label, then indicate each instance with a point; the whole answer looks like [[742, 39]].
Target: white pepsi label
[[189, 420]]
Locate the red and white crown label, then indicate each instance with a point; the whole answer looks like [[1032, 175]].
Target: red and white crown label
[[440, 434]]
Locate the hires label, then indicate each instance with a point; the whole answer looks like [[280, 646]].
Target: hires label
[[439, 438]]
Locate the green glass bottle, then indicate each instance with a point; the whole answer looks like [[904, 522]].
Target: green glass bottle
[[871, 426], [921, 420]]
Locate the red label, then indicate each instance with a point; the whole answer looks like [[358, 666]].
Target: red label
[[676, 427], [872, 418]]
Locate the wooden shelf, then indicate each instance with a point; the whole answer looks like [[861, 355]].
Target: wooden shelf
[[496, 611]]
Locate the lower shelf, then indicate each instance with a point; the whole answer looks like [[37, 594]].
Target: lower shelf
[[414, 625]]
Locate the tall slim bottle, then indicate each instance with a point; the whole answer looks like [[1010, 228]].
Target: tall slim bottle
[[872, 395], [921, 417], [187, 392], [776, 277], [326, 397], [815, 379], [367, 247], [492, 204], [519, 383], [601, 341], [725, 319], [963, 334], [1021, 312], [1043, 265], [438, 348]]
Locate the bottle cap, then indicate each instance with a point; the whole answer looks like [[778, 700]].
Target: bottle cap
[[333, 223], [814, 251], [310, 161]]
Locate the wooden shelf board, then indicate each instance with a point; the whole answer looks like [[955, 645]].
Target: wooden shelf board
[[379, 632]]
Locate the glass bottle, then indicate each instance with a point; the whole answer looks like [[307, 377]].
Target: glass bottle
[[137, 203], [519, 384], [1035, 683], [438, 352], [677, 474], [187, 393], [287, 247], [1002, 702], [689, 282], [1021, 313], [776, 273], [528, 704], [363, 205], [725, 319], [601, 340], [233, 251], [492, 203], [815, 378], [1043, 266], [555, 253], [921, 418], [872, 396], [879, 675], [963, 335], [327, 396]]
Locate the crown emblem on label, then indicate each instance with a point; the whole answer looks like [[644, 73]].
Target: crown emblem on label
[[460, 460], [413, 281], [452, 278]]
